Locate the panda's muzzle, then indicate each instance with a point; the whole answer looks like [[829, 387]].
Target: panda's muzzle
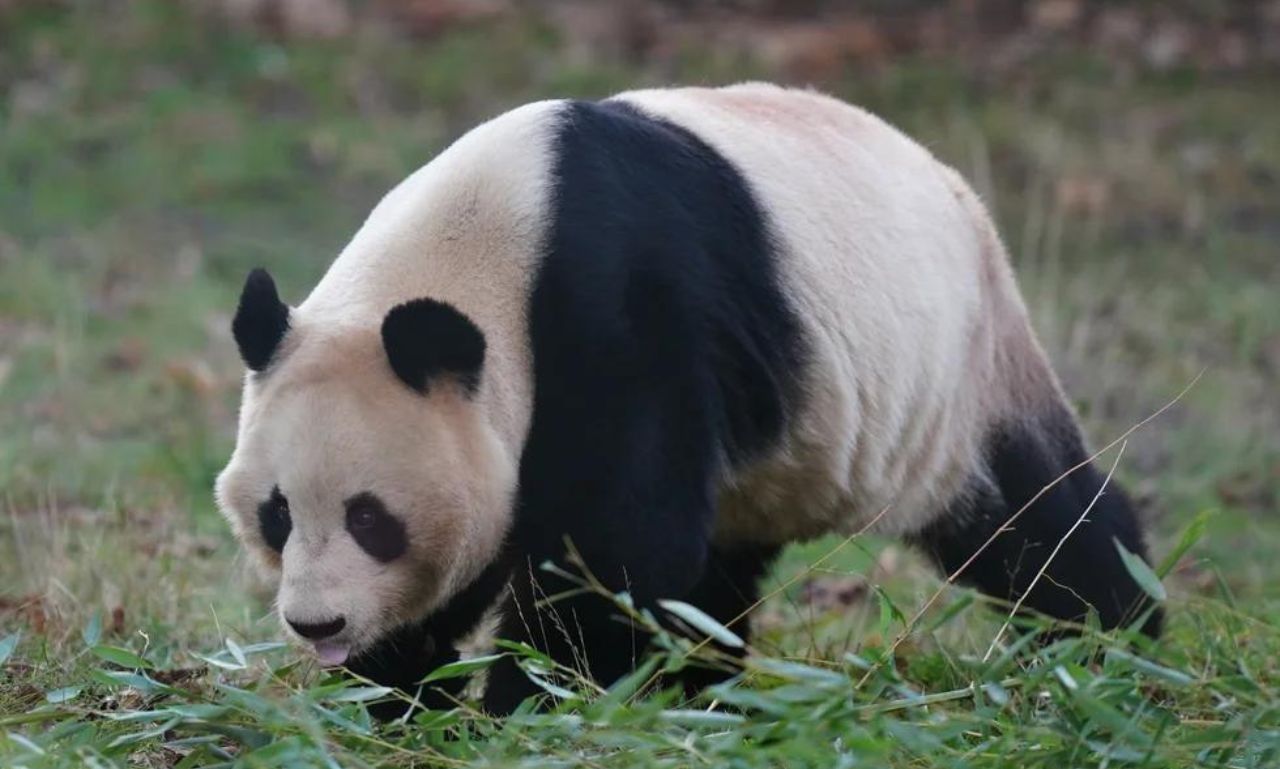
[[321, 635]]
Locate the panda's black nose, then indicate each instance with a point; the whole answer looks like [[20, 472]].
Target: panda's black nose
[[316, 631]]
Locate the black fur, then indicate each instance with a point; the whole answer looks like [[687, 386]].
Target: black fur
[[728, 589], [261, 320], [406, 656], [425, 339], [377, 531], [1088, 571], [664, 351], [274, 521]]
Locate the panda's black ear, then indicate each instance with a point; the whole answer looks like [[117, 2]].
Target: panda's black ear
[[261, 320], [426, 339]]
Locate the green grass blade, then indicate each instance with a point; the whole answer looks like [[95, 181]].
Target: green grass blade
[[1141, 573]]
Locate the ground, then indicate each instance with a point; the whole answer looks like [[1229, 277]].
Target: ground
[[149, 158]]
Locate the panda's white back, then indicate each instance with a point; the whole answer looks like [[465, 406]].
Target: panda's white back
[[904, 292]]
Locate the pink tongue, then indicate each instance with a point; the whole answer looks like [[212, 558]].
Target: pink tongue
[[331, 654]]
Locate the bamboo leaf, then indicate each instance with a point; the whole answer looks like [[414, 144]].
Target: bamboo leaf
[[7, 646], [1168, 675], [92, 632], [236, 653], [122, 657], [702, 622], [65, 694], [360, 694], [461, 668]]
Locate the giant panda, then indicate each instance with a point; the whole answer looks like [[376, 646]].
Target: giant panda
[[673, 330]]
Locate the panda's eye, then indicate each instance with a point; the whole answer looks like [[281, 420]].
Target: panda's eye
[[274, 522], [362, 518], [374, 528]]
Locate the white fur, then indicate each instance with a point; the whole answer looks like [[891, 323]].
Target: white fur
[[919, 343]]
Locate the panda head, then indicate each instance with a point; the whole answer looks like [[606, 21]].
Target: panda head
[[366, 479]]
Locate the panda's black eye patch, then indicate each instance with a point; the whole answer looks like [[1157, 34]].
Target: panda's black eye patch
[[273, 520], [380, 533]]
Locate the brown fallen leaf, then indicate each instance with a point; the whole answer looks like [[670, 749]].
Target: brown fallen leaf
[[177, 675], [125, 699], [832, 593], [1083, 194], [193, 376], [1054, 15], [26, 695], [29, 607], [126, 357]]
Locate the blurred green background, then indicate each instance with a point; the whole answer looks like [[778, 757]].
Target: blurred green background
[[152, 152]]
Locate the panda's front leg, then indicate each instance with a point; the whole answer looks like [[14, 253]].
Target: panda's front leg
[[589, 634], [584, 633], [628, 482]]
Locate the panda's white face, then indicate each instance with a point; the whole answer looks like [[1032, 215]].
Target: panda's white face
[[370, 503]]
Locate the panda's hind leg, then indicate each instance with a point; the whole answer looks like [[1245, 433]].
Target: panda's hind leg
[[1087, 572]]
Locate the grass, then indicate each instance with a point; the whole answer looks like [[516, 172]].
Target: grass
[[148, 159]]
